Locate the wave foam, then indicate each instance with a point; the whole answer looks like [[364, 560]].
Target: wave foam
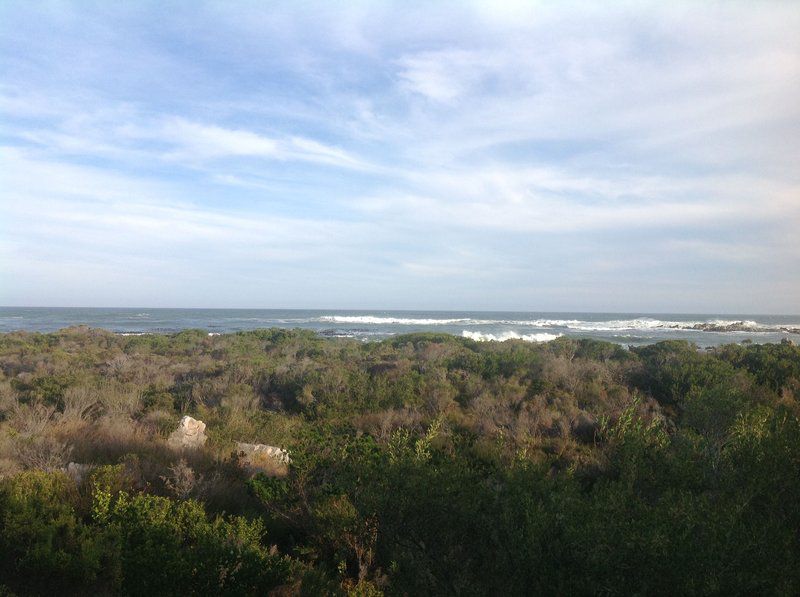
[[481, 337], [371, 319], [646, 323], [642, 323], [613, 325]]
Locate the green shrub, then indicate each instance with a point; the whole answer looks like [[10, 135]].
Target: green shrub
[[174, 547], [42, 539]]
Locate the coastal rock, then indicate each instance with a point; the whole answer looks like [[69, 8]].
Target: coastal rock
[[734, 326], [78, 471], [190, 434], [739, 326], [260, 458]]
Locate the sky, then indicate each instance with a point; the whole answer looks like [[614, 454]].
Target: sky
[[536, 156]]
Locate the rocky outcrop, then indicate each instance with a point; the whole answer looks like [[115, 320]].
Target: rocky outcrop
[[733, 326], [260, 458], [190, 434], [738, 326]]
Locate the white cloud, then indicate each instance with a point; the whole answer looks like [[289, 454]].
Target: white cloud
[[444, 75], [123, 134], [313, 151], [194, 141], [67, 204], [200, 141], [535, 143], [549, 200]]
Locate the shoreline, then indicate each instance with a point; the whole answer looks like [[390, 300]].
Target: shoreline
[[478, 337]]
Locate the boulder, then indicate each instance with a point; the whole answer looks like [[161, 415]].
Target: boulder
[[190, 434], [260, 458]]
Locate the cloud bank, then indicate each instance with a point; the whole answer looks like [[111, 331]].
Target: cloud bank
[[532, 156]]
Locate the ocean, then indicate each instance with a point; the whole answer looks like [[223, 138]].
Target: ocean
[[634, 329]]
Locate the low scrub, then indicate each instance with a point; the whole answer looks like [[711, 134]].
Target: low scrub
[[426, 464]]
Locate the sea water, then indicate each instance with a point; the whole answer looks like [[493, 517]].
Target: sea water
[[623, 328]]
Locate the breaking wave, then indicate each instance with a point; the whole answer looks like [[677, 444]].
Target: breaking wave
[[614, 325], [371, 319], [714, 325], [502, 337], [647, 323]]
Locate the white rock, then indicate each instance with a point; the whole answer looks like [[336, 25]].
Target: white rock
[[190, 433], [260, 458], [78, 471]]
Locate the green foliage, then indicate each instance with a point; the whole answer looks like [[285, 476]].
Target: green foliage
[[41, 537], [672, 371], [47, 389], [130, 544], [425, 464], [174, 547], [776, 366], [154, 398]]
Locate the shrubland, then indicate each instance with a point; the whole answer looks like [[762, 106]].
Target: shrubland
[[423, 464]]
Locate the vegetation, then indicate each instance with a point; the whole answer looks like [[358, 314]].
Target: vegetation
[[426, 464]]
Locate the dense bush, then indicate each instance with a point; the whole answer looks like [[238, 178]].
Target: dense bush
[[426, 464], [170, 547], [42, 538], [132, 544]]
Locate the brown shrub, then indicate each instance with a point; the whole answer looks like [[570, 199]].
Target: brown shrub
[[80, 404], [182, 481], [31, 419], [381, 425], [43, 452]]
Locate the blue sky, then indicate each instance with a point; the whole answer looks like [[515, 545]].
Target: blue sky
[[528, 155]]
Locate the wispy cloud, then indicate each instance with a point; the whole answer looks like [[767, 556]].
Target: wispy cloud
[[86, 205], [198, 141], [404, 153], [122, 133], [445, 75]]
